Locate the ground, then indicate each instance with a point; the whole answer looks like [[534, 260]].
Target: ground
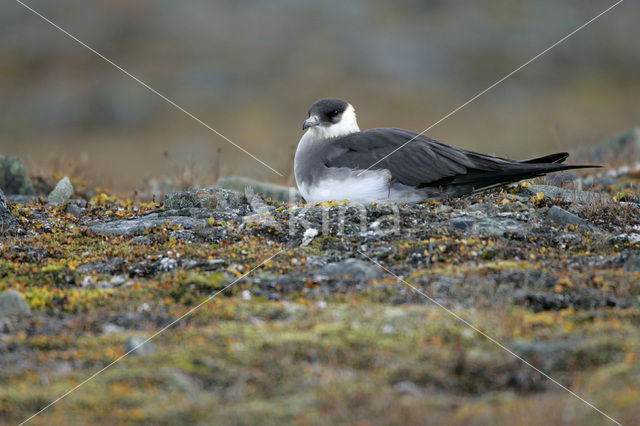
[[319, 333]]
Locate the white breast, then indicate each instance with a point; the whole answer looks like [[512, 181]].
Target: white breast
[[369, 187]]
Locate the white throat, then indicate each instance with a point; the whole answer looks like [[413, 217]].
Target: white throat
[[348, 124]]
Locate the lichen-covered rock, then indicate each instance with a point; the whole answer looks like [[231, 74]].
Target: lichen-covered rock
[[61, 193], [13, 304], [13, 176], [565, 195], [490, 225], [7, 222], [268, 190], [625, 147], [351, 269], [565, 218], [208, 198], [110, 266], [140, 224]]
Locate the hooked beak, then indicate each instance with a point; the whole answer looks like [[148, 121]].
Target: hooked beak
[[310, 122]]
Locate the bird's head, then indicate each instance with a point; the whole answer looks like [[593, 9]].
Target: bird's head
[[331, 118]]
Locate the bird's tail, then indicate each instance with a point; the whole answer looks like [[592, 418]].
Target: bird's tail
[[557, 158]]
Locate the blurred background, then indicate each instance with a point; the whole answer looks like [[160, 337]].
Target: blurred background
[[251, 69]]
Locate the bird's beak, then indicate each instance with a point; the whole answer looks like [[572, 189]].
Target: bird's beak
[[310, 122]]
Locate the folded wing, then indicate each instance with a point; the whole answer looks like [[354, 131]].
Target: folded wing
[[425, 162]]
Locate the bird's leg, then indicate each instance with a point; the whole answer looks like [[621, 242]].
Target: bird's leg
[[388, 187]]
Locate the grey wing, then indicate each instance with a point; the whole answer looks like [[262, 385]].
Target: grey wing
[[421, 162]]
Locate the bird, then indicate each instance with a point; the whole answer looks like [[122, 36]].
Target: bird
[[335, 160]]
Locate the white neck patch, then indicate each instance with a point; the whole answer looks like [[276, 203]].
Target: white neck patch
[[348, 124]]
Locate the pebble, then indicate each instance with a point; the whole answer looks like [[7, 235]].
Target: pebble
[[13, 304], [137, 346], [61, 193], [565, 218]]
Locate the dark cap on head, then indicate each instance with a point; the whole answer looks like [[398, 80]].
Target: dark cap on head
[[326, 111]]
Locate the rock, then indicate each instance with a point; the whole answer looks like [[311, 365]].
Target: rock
[[165, 264], [137, 346], [8, 223], [407, 387], [632, 238], [20, 199], [269, 190], [139, 224], [565, 195], [564, 179], [492, 225], [61, 193], [109, 329], [498, 226], [29, 253], [119, 280], [142, 239], [308, 236], [462, 224], [632, 263], [625, 146], [13, 304], [565, 218], [602, 181], [13, 176], [204, 264], [74, 210], [351, 269], [208, 198], [111, 266]]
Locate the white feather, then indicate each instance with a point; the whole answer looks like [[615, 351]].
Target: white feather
[[346, 184], [370, 186], [348, 124]]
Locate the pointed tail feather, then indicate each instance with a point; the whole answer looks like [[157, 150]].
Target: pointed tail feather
[[558, 157], [512, 174]]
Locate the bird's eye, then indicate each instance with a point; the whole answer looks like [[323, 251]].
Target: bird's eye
[[332, 113]]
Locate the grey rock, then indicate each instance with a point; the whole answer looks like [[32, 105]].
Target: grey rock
[[8, 223], [137, 346], [138, 225], [562, 180], [110, 266], [13, 176], [108, 329], [209, 198], [308, 236], [142, 239], [204, 264], [497, 226], [29, 253], [625, 146], [407, 387], [74, 210], [462, 224], [565, 218], [491, 225], [13, 304], [352, 269], [165, 264], [632, 238], [21, 199], [61, 193], [632, 263], [268, 190], [119, 280], [565, 195], [603, 181]]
